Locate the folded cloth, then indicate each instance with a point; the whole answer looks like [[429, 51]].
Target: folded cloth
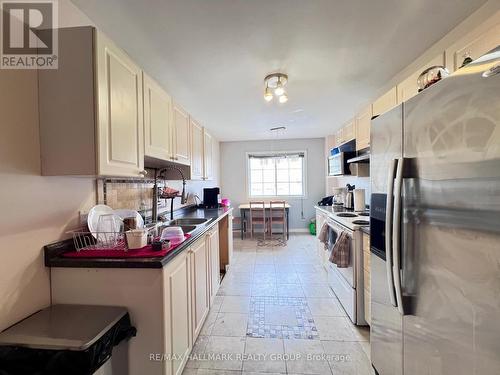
[[341, 251], [323, 234]]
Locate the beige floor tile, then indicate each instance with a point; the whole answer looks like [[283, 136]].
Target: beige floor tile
[[317, 290], [334, 328], [325, 307], [204, 371], [239, 277], [264, 278], [290, 290], [235, 289], [235, 304], [224, 353], [209, 323], [306, 357], [264, 290], [230, 324], [280, 315], [264, 356], [260, 268], [347, 358]]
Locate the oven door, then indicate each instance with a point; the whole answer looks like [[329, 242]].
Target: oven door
[[348, 273], [336, 165]]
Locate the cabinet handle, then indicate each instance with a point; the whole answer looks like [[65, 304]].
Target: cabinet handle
[[143, 173]]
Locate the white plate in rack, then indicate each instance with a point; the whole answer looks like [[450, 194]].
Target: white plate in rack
[[94, 214]]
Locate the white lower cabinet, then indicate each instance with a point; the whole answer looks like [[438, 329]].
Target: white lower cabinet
[[213, 248], [168, 305], [177, 308], [200, 287]]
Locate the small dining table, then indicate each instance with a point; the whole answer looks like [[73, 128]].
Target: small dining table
[[245, 207]]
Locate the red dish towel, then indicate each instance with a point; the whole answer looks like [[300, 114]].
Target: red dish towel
[[145, 252]]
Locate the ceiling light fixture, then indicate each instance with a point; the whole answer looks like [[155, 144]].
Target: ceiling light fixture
[[276, 82], [268, 95]]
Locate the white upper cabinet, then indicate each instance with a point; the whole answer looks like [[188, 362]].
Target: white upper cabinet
[[182, 137], [474, 44], [158, 121], [91, 109], [208, 157], [120, 117], [196, 151], [408, 88], [363, 123], [385, 102]]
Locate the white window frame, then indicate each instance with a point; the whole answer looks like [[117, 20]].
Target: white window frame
[[270, 197]]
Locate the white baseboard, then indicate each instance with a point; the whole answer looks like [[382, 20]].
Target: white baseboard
[[299, 230]]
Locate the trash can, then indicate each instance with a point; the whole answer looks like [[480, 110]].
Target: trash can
[[64, 339]]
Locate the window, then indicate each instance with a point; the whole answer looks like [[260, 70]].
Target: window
[[280, 174]]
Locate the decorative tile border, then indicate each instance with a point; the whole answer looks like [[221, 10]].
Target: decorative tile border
[[305, 327]]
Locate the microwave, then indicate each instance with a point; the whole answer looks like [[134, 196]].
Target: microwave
[[337, 161]]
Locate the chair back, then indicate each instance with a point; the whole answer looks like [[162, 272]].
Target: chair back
[[257, 210], [277, 210]]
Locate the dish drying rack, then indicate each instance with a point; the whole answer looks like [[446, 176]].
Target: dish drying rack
[[85, 240]]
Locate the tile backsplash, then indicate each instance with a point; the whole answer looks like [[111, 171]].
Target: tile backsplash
[[137, 194]]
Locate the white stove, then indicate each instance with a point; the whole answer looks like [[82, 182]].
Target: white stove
[[347, 283], [350, 219]]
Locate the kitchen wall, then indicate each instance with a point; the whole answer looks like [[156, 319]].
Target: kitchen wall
[[234, 169], [37, 210]]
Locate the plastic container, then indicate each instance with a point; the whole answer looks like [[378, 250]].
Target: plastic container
[[137, 238], [172, 234]]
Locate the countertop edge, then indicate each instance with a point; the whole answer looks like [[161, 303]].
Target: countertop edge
[[153, 263]]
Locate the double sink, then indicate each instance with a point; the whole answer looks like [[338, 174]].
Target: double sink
[[188, 224]]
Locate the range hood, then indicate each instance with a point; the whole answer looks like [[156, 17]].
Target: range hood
[[362, 157]]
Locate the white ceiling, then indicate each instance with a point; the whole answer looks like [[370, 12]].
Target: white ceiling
[[212, 55]]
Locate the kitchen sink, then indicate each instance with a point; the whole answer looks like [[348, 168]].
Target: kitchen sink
[[188, 221], [187, 229]]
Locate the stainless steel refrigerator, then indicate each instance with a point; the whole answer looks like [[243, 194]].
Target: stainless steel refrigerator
[[435, 228]]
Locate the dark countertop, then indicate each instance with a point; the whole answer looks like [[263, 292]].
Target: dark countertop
[[53, 257]]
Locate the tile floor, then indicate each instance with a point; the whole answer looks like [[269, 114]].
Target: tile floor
[[275, 314]]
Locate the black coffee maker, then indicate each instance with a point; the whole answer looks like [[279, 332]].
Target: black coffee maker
[[211, 197]]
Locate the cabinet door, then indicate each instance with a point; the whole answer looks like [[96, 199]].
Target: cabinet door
[[181, 138], [208, 168], [385, 102], [338, 138], [363, 122], [157, 121], [196, 151], [120, 112], [177, 291], [473, 45], [408, 88], [213, 245], [200, 282], [348, 132]]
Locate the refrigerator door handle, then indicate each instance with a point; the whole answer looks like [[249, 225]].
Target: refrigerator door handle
[[388, 228], [396, 236]]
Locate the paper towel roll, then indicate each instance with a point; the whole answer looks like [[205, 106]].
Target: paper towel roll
[[359, 199]]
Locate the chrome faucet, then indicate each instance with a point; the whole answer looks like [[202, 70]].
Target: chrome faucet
[[159, 175]]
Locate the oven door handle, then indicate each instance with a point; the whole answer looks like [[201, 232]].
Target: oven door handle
[[396, 236], [388, 229]]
